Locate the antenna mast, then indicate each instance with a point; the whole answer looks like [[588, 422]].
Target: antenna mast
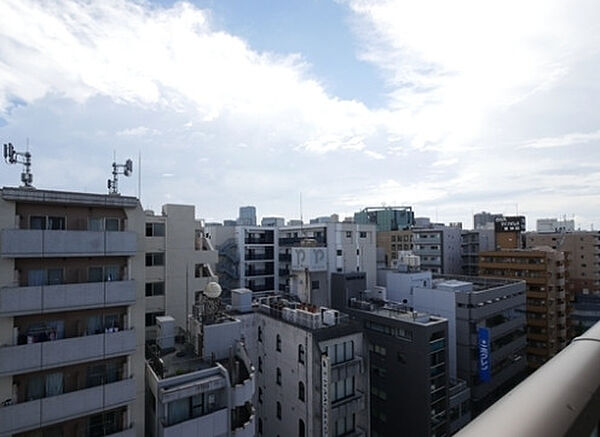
[[11, 156], [124, 169]]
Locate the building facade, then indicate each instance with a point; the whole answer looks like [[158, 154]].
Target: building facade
[[312, 377], [387, 218], [247, 216], [340, 247], [439, 248], [71, 314], [180, 262], [543, 270], [485, 220], [392, 242], [472, 242], [248, 257]]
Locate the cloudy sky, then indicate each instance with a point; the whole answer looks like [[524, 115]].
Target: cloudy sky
[[452, 107]]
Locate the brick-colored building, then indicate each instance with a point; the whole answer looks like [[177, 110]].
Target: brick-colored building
[[543, 270]]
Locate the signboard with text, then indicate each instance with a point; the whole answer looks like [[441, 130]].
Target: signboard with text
[[484, 351], [510, 224]]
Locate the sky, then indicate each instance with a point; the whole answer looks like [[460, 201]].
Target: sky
[[310, 107]]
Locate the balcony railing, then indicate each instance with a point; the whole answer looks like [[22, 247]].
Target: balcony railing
[[51, 298], [24, 243], [548, 403], [42, 412], [38, 356]]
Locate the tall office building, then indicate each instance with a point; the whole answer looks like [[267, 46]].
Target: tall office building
[[272, 221], [312, 377], [386, 218], [308, 255], [543, 270], [180, 262], [472, 242], [247, 216], [71, 314]]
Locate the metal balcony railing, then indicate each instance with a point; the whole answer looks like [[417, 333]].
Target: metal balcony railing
[[562, 398]]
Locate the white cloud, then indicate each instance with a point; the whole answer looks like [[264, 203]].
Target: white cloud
[[562, 141]]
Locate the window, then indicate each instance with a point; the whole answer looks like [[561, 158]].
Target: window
[[363, 234], [348, 234], [155, 229], [155, 259], [37, 222], [301, 353], [339, 252], [260, 395], [55, 276], [278, 410], [278, 345], [155, 288], [314, 285], [260, 334], [56, 223], [260, 364], [344, 425], [111, 224], [379, 393], [342, 389], [278, 376], [260, 425], [341, 352], [301, 428], [378, 350], [358, 251], [301, 391], [151, 317]]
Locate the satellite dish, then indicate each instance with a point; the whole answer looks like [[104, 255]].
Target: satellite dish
[[212, 290]]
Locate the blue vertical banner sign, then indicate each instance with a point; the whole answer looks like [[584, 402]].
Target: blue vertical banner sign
[[485, 362]]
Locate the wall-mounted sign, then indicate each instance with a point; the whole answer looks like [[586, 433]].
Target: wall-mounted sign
[[484, 347], [325, 394], [312, 258], [510, 224]]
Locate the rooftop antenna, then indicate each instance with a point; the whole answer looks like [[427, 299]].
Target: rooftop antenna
[[11, 156], [124, 169]]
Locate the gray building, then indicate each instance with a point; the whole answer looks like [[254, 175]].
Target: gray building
[[71, 314], [485, 220], [472, 242], [248, 257], [311, 370], [409, 362], [247, 216], [439, 248], [204, 387], [272, 221], [477, 309], [309, 254]]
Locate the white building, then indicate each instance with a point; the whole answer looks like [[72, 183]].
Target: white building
[[310, 254], [248, 256], [551, 225], [439, 248], [180, 262]]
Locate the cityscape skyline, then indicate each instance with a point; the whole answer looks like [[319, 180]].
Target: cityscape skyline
[[231, 104]]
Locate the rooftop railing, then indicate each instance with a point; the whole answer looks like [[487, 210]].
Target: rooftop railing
[[562, 398]]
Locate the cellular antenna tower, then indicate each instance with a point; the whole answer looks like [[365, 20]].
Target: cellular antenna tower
[[124, 169], [13, 157]]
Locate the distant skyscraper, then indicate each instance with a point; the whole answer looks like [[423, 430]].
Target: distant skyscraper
[[247, 216], [387, 218]]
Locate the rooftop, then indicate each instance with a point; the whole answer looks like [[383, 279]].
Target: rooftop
[[33, 195], [395, 311]]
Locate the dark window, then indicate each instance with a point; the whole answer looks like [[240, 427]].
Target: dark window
[[278, 412], [151, 317], [301, 353], [339, 252], [260, 364], [111, 224], [301, 391], [278, 376], [260, 395], [260, 334], [56, 223], [358, 251], [155, 259], [37, 222], [260, 425], [155, 229], [155, 288], [363, 234], [314, 285], [348, 234], [301, 431], [278, 345]]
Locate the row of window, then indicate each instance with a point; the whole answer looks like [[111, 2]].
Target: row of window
[[301, 352], [340, 352], [361, 234], [339, 252], [403, 334], [301, 427], [59, 223]]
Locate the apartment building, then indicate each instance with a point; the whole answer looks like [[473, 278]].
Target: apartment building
[[543, 270], [248, 257], [439, 248], [205, 386], [472, 242], [71, 314], [392, 242], [312, 377], [339, 247], [485, 220], [180, 262]]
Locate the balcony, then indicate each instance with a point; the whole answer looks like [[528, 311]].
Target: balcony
[[215, 423], [243, 378], [16, 301], [573, 403], [347, 406], [42, 412], [33, 243], [347, 369], [39, 356]]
